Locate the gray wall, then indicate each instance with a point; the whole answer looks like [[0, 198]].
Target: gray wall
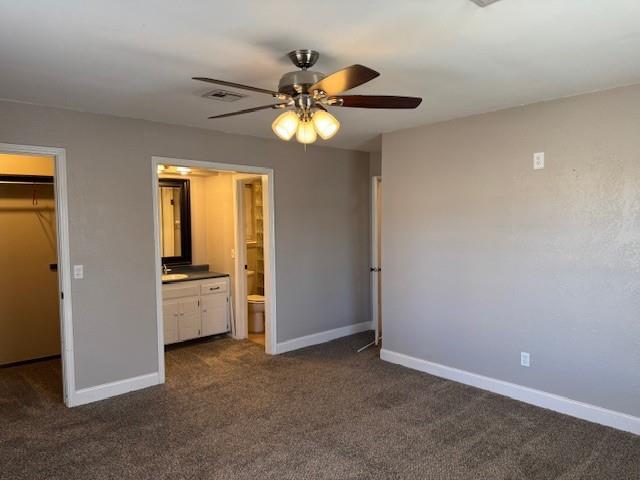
[[375, 164], [485, 257], [321, 201]]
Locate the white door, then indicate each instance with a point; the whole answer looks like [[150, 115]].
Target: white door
[[189, 322], [214, 314], [240, 307], [376, 257], [240, 312], [170, 313]]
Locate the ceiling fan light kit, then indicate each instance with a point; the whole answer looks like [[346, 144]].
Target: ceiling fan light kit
[[308, 94], [288, 124]]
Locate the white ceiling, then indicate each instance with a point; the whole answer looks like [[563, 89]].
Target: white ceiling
[[135, 58]]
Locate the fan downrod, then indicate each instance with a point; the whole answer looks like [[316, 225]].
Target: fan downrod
[[304, 58]]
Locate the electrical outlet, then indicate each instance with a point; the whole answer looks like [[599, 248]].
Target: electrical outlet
[[78, 272], [525, 359], [538, 161]]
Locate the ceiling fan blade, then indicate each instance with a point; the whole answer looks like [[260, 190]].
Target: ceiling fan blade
[[237, 85], [250, 110], [375, 101], [344, 80]]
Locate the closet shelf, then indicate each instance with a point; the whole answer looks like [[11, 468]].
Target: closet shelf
[[27, 179]]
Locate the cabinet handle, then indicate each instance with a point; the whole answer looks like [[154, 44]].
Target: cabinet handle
[[213, 288]]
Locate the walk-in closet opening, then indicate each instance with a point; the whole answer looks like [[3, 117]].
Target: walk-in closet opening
[[29, 308]]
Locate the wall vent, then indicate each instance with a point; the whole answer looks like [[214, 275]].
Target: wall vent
[[223, 95], [484, 3]]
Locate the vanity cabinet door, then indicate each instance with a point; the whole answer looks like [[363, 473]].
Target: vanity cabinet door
[[189, 323], [170, 313], [214, 314]]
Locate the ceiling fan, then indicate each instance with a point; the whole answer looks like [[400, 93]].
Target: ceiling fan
[[305, 95]]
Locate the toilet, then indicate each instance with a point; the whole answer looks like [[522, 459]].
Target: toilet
[[256, 313]]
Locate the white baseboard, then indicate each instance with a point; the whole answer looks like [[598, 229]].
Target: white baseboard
[[321, 337], [100, 392], [584, 411]]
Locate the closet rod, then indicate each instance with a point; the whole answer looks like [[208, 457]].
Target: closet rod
[[27, 179]]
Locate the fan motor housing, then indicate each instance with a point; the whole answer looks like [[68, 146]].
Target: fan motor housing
[[299, 81]]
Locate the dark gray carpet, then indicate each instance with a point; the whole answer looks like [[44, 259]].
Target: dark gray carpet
[[229, 411]]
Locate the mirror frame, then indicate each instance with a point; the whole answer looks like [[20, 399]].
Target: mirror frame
[[185, 220]]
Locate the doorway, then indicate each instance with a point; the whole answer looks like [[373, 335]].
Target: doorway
[[250, 245], [375, 262], [217, 197], [376, 257], [35, 309]]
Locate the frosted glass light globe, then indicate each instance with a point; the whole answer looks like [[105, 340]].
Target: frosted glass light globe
[[286, 125], [306, 133], [325, 124]]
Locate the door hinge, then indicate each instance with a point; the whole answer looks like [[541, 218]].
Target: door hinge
[[62, 295]]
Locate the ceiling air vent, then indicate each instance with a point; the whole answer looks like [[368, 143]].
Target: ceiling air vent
[[484, 3], [223, 95]]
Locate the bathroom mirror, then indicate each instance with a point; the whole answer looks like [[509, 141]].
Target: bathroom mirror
[[174, 211]]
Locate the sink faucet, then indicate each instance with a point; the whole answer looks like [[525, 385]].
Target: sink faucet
[[165, 270]]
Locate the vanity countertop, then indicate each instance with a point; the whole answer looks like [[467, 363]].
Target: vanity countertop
[[196, 275]]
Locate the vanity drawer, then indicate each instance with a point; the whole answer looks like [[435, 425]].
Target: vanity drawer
[[219, 286], [188, 289]]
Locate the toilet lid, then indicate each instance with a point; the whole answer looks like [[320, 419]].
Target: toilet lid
[[256, 298]]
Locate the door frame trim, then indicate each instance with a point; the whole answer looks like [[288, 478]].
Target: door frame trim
[[269, 246], [64, 260]]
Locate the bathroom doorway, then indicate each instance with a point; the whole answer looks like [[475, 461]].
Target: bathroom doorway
[[250, 245], [215, 253], [35, 310]]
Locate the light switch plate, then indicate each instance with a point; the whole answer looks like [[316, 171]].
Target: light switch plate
[[525, 359], [538, 161], [78, 272]]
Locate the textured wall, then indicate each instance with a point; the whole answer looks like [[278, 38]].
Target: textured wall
[[485, 257], [375, 164], [219, 227], [321, 201]]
